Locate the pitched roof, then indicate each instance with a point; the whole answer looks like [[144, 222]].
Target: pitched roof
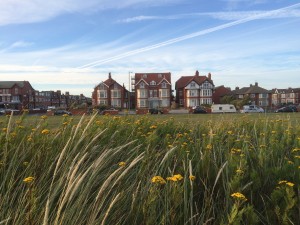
[[253, 89], [10, 84], [157, 77], [185, 80]]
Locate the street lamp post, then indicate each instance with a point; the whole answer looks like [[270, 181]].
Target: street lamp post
[[129, 95]]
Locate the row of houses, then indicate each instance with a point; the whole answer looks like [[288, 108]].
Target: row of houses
[[154, 90], [20, 94], [148, 90]]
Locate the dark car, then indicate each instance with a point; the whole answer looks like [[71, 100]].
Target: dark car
[[290, 108], [155, 111], [62, 112], [199, 109]]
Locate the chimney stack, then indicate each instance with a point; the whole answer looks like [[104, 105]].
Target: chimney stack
[[197, 73], [109, 75], [256, 84], [209, 76], [237, 88]]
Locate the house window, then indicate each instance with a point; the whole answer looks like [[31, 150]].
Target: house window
[[142, 103], [16, 91], [155, 93], [116, 93], [206, 85], [180, 93], [192, 93], [103, 94], [241, 96], [150, 93], [103, 102], [180, 101], [116, 102], [142, 85], [164, 85], [142, 93], [206, 92], [101, 87], [152, 83], [193, 84], [15, 99], [164, 93], [263, 95], [206, 101]]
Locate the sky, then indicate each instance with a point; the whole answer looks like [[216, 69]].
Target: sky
[[72, 45]]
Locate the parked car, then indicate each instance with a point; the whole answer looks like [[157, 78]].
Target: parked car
[[198, 109], [155, 111], [62, 112], [252, 109], [2, 111], [289, 108]]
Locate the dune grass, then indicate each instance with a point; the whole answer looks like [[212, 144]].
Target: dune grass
[[192, 169]]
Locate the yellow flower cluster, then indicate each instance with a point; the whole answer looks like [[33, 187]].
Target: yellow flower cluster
[[284, 182], [44, 117], [238, 195], [45, 131], [122, 163], [192, 177], [28, 179], [175, 178], [158, 180], [153, 127]]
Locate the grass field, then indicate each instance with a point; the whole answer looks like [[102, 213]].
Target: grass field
[[152, 169]]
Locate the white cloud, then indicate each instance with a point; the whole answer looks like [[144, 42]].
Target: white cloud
[[225, 15], [30, 11]]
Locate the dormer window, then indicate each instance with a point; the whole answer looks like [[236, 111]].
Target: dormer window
[[153, 83], [193, 84], [142, 85], [163, 85], [159, 75], [145, 76]]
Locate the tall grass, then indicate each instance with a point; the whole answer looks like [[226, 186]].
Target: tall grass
[[140, 170]]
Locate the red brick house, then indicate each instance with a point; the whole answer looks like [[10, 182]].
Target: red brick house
[[194, 90], [258, 95], [111, 94], [285, 96], [16, 95], [152, 90], [220, 92]]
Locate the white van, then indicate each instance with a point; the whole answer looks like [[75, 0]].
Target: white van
[[252, 109], [223, 108]]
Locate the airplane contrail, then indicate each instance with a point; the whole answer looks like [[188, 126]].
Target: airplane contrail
[[188, 36]]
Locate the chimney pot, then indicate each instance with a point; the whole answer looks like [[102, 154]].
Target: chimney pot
[[109, 75]]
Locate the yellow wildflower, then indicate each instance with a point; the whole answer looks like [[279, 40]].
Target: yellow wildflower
[[192, 178], [65, 123], [158, 179], [4, 129], [122, 163], [239, 171], [290, 162], [25, 163], [239, 196], [282, 182], [28, 179], [230, 132], [175, 178], [44, 117], [65, 115], [29, 139], [209, 147], [290, 184], [45, 131], [170, 146], [153, 127]]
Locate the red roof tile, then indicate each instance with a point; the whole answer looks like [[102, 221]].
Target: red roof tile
[[152, 77]]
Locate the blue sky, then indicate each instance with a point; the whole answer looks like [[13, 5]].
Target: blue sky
[[72, 45]]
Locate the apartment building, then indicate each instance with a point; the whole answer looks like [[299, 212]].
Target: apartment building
[[111, 94], [152, 90], [194, 90]]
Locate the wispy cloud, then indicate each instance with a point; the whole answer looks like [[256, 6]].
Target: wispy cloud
[[224, 15], [29, 11], [189, 36]]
